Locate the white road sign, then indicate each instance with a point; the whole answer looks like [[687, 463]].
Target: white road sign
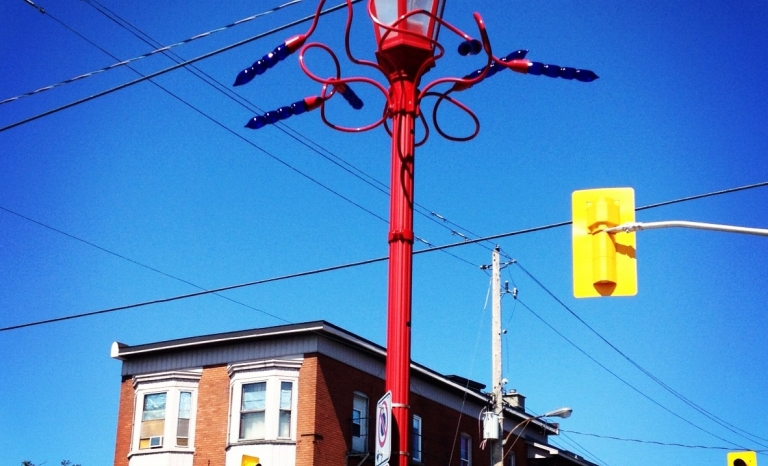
[[383, 429]]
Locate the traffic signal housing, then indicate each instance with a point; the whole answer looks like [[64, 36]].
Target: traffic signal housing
[[604, 264], [742, 458]]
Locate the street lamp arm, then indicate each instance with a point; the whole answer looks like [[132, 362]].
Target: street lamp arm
[[445, 96], [465, 83], [338, 84], [358, 129]]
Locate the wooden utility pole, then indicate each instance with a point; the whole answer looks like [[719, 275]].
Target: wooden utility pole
[[497, 446]]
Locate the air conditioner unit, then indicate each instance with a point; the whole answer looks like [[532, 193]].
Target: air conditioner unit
[[155, 442]]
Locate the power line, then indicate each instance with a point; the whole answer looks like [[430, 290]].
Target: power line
[[226, 92], [575, 445], [669, 389], [653, 442], [702, 196], [223, 126], [318, 271], [171, 68], [148, 54], [198, 293], [120, 256], [293, 134], [615, 375]]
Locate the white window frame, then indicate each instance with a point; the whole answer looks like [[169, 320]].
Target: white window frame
[[468, 460], [273, 373], [172, 384], [359, 443], [416, 438]]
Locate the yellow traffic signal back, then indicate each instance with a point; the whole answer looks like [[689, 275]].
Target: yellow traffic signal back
[[742, 458], [250, 461], [604, 264]]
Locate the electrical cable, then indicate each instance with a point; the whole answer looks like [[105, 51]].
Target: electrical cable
[[561, 437], [327, 269], [198, 293], [653, 442], [471, 370], [162, 49], [615, 375], [575, 445], [225, 91], [669, 389], [170, 68], [120, 256]]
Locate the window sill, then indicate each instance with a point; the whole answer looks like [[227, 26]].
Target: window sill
[[263, 442], [154, 451]]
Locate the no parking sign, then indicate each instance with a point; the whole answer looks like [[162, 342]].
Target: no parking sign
[[383, 429]]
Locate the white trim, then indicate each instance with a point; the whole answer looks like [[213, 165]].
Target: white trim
[[212, 340], [172, 384], [192, 375], [272, 372], [294, 362]]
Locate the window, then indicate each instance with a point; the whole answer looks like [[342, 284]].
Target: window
[[185, 412], [286, 403], [152, 421], [465, 456], [416, 438], [512, 459], [263, 401], [165, 412], [360, 423], [252, 410]]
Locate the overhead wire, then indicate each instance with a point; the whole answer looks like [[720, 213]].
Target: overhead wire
[[162, 49], [145, 266], [653, 442], [219, 86], [322, 270], [658, 381], [621, 379], [210, 80], [575, 445], [323, 152], [170, 68]]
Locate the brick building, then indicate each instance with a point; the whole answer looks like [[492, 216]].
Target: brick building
[[302, 394]]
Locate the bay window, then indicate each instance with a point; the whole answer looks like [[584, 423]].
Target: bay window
[[164, 412], [264, 399]]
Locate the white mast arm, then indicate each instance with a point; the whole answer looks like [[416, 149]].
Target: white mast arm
[[638, 226]]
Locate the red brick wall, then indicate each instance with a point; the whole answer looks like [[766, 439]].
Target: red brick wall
[[336, 385], [124, 422], [325, 394], [441, 430], [308, 441], [212, 415]]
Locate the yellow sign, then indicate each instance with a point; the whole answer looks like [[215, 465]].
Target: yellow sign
[[742, 458], [604, 264], [250, 461]]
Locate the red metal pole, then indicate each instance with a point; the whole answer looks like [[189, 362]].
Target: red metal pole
[[398, 380]]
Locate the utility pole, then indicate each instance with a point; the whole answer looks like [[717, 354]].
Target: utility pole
[[497, 446]]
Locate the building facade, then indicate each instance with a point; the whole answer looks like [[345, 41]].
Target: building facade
[[302, 394]]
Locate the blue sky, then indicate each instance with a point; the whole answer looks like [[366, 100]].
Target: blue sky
[[679, 110]]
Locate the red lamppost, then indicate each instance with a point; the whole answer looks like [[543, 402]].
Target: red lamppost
[[406, 36], [405, 51]]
